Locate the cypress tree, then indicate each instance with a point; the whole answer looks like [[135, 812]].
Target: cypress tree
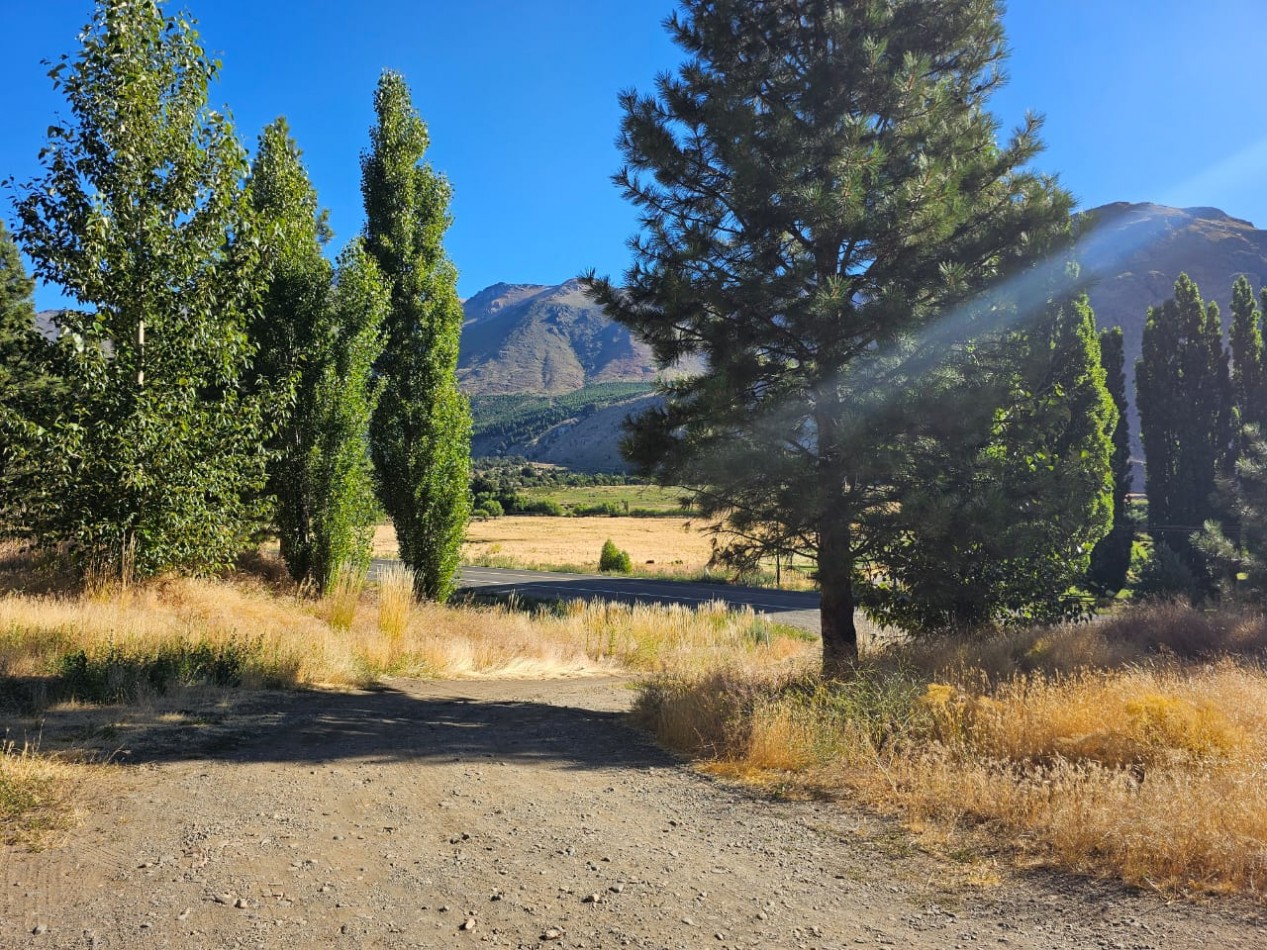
[[999, 520], [421, 431], [1186, 417], [1111, 557], [1249, 377], [155, 459], [820, 186]]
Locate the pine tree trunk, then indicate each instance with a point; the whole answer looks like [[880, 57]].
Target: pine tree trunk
[[835, 572]]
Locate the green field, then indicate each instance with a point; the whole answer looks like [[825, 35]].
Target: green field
[[641, 498]]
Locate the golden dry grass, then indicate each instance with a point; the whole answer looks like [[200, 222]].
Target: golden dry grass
[[148, 645], [1136, 749], [35, 794], [673, 547]]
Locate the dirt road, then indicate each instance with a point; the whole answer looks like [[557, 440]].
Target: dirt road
[[511, 814]]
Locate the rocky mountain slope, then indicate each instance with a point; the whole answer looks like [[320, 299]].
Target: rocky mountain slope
[[533, 338]]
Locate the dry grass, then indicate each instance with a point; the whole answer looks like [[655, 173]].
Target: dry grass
[[669, 547], [35, 793], [145, 650], [1136, 749], [395, 600]]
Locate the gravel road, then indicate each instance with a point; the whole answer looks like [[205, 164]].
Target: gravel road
[[511, 814]]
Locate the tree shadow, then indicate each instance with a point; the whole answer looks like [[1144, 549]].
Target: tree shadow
[[314, 727]]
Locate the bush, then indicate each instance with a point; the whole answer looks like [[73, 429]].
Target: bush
[[614, 559], [492, 507]]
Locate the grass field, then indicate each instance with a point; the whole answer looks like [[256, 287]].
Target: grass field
[[658, 547], [628, 497]]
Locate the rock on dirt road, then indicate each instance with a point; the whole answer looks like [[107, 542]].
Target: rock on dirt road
[[514, 814]]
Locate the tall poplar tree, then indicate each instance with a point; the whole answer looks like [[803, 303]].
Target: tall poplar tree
[[1111, 557], [421, 432], [1186, 417], [820, 186], [155, 459]]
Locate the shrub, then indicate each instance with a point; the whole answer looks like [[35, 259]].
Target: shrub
[[614, 559], [492, 507]]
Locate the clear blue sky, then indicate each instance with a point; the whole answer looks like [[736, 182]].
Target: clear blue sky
[[1146, 100]]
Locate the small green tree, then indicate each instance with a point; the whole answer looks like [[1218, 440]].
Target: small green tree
[[421, 431], [154, 457], [1111, 557], [1186, 418], [294, 334], [613, 559]]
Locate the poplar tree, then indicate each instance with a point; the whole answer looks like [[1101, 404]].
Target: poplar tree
[[1111, 557], [1186, 417], [421, 430], [155, 459], [820, 186]]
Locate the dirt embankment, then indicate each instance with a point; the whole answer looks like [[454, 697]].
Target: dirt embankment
[[511, 814]]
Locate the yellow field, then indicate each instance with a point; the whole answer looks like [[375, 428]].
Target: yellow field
[[524, 541], [673, 547]]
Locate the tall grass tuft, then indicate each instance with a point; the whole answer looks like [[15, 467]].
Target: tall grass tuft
[[342, 597], [395, 600]]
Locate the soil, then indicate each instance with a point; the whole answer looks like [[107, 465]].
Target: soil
[[512, 814]]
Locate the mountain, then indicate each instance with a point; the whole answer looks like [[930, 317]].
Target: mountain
[[1134, 252], [552, 379], [534, 338]]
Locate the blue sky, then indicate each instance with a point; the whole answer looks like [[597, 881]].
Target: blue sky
[[1146, 100]]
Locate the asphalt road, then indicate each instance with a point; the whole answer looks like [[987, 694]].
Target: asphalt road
[[796, 608]]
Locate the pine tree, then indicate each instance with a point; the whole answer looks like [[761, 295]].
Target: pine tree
[[820, 186], [421, 431], [1111, 557], [1186, 417], [154, 460]]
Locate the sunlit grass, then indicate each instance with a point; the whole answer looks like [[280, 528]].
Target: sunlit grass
[[1136, 749]]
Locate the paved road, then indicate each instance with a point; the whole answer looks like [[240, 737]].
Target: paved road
[[796, 608]]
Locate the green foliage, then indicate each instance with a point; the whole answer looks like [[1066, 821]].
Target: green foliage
[[117, 675], [490, 508], [823, 202], [343, 507], [1165, 574], [1111, 556], [152, 458], [501, 422], [1236, 551], [998, 524], [421, 430], [318, 342], [613, 559], [28, 375], [1186, 418], [1249, 375]]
